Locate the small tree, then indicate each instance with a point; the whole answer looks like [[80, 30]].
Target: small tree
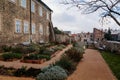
[[108, 35], [57, 31]]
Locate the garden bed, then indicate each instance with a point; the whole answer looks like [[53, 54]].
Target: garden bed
[[61, 69], [33, 53]]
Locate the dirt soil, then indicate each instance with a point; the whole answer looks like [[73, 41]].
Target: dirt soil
[[92, 67]]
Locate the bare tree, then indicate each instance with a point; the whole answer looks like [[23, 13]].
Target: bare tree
[[109, 8]]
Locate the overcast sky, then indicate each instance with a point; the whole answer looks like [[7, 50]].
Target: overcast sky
[[71, 19]]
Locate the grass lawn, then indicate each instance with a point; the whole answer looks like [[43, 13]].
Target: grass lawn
[[113, 60]]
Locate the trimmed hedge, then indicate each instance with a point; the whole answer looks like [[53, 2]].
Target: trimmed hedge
[[8, 56], [36, 57]]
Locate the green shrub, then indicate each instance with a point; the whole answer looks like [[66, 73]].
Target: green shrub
[[52, 73], [8, 56], [6, 48], [20, 72], [6, 71], [18, 49], [36, 57], [24, 49], [66, 64], [32, 72], [42, 49], [75, 54]]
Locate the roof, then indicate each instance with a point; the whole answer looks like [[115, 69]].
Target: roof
[[45, 5], [115, 31], [74, 35]]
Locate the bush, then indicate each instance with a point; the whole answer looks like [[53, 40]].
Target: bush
[[66, 64], [18, 49], [42, 49], [6, 71], [52, 73], [31, 72], [75, 54], [8, 56], [6, 48], [25, 49], [20, 72], [37, 57]]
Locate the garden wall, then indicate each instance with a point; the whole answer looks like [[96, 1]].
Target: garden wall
[[60, 38]]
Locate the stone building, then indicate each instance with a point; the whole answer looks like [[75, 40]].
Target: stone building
[[98, 35], [86, 37], [21, 22]]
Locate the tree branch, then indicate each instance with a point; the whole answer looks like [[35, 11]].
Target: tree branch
[[114, 19]]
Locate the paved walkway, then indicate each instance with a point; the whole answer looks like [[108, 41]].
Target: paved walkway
[[18, 64], [92, 67]]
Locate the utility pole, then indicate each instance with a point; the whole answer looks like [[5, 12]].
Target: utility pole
[[30, 37]]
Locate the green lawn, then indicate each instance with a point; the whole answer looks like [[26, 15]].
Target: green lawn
[[113, 61]]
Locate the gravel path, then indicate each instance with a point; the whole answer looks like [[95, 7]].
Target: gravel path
[[92, 67]]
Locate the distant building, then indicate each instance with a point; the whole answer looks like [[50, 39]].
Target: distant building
[[115, 34], [98, 35], [75, 37], [67, 32], [86, 37]]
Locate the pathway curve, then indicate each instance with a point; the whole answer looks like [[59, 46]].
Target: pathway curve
[[92, 67]]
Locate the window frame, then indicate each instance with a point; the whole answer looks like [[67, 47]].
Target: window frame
[[24, 25], [40, 11], [22, 5], [33, 6], [47, 15], [33, 28], [20, 27], [41, 30], [47, 30]]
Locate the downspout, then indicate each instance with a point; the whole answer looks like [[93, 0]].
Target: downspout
[[30, 37]]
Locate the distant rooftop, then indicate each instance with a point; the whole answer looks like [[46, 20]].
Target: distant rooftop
[[115, 31]]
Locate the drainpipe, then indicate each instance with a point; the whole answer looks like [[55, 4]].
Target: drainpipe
[[30, 38]]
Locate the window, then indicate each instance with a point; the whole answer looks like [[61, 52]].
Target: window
[[40, 11], [47, 14], [23, 3], [17, 26], [33, 28], [41, 29], [47, 30], [13, 0], [32, 6], [26, 27]]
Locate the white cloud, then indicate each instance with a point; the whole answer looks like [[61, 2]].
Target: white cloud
[[72, 19]]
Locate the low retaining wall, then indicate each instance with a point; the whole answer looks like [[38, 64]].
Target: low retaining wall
[[113, 46]]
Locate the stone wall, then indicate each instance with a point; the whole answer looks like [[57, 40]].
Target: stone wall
[[11, 11], [60, 38]]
